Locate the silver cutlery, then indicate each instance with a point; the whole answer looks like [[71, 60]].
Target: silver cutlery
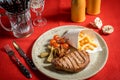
[[22, 53], [22, 68]]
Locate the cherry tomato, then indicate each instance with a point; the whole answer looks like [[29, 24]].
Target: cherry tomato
[[62, 40], [56, 45], [52, 41], [56, 37], [65, 45]]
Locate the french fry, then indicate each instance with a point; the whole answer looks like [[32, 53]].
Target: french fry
[[93, 44], [86, 43], [81, 34]]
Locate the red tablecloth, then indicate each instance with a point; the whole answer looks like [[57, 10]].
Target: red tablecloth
[[57, 12]]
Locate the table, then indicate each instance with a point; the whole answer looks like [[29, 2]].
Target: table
[[57, 12]]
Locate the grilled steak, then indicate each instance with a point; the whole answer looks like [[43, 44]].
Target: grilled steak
[[73, 62]]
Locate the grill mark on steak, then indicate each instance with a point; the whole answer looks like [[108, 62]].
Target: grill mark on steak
[[82, 53], [85, 53], [69, 57], [79, 56], [63, 62], [76, 59], [59, 63], [68, 62], [75, 66], [86, 58]]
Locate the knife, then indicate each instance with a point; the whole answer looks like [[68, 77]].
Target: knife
[[22, 53], [22, 68]]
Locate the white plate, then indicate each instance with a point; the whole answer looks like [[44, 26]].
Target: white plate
[[97, 60]]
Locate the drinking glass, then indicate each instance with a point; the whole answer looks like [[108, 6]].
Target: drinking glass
[[37, 6], [18, 13]]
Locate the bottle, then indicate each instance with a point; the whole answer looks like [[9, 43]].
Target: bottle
[[93, 7], [78, 10]]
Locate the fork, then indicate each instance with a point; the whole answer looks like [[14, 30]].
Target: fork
[[22, 68]]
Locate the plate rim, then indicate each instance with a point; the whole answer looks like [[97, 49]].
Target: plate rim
[[76, 26]]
